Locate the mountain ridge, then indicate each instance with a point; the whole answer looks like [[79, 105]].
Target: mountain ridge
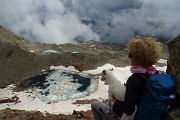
[[17, 63]]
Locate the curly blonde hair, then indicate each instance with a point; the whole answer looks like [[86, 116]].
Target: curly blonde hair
[[145, 50]]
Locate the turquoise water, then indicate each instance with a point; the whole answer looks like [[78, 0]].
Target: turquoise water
[[50, 52]]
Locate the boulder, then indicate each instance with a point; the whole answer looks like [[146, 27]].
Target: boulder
[[173, 68], [173, 65]]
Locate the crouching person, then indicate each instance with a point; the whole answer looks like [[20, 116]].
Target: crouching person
[[143, 54]]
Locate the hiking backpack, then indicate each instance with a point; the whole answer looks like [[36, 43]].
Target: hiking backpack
[[158, 97]]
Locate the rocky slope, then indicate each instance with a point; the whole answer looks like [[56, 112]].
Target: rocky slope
[[17, 63]]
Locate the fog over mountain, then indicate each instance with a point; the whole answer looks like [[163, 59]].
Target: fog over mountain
[[63, 21]]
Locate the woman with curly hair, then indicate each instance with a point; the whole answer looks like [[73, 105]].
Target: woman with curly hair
[[144, 52]]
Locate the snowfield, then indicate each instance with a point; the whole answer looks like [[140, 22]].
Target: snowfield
[[27, 100]]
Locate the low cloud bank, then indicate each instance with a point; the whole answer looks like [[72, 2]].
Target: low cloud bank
[[71, 21]]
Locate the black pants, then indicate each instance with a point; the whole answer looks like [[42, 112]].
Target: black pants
[[100, 109]]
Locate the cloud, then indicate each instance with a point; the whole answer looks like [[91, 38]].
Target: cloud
[[62, 21], [44, 21]]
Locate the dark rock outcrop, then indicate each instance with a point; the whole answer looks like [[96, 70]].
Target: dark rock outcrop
[[173, 68]]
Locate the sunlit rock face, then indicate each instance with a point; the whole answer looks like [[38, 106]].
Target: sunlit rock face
[[62, 85]]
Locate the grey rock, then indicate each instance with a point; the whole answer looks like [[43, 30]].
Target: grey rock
[[173, 66]]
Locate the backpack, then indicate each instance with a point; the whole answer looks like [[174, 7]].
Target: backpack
[[158, 97]]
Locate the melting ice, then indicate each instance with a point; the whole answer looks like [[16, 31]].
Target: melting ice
[[62, 85]]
